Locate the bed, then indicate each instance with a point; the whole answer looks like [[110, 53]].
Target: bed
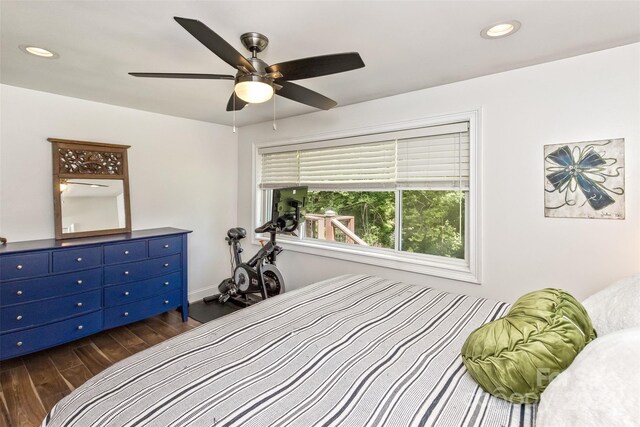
[[351, 351]]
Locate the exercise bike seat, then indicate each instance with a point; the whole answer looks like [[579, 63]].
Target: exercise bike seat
[[237, 233]]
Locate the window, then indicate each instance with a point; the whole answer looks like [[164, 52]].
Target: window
[[403, 196]]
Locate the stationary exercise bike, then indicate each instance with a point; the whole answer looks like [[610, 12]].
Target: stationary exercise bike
[[260, 275]]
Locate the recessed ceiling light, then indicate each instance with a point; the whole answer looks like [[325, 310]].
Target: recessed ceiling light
[[38, 51], [501, 29]]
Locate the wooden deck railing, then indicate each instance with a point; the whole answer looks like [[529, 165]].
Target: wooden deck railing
[[323, 227]]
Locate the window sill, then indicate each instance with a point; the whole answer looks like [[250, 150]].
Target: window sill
[[422, 264]]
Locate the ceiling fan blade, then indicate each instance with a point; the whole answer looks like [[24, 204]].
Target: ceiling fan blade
[[215, 43], [185, 76], [239, 103], [303, 95], [317, 66]]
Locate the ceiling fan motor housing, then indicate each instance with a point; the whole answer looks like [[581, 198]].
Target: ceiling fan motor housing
[[252, 77], [259, 65], [260, 75]]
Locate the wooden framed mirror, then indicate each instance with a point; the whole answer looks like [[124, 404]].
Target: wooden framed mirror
[[90, 188]]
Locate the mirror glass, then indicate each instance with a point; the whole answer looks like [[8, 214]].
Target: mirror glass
[[92, 204]]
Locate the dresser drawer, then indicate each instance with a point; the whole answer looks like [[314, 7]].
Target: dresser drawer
[[165, 246], [23, 266], [123, 314], [77, 259], [136, 271], [36, 313], [29, 340], [21, 291], [129, 292], [125, 252]]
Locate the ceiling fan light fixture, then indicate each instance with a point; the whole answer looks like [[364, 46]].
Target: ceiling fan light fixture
[[501, 29], [254, 89]]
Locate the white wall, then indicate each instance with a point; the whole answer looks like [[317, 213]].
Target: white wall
[[590, 97], [182, 172]]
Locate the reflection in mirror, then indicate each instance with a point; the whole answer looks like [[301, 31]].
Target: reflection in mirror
[[92, 204]]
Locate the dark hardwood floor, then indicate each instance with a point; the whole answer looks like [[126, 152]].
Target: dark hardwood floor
[[32, 384]]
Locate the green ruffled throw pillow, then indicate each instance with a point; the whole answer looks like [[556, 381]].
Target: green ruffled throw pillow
[[515, 357]]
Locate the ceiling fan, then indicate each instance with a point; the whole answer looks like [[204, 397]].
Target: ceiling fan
[[255, 81]]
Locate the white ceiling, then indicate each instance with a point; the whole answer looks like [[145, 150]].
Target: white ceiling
[[406, 46]]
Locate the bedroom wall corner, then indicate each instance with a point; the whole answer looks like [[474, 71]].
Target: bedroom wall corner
[[180, 173], [583, 98]]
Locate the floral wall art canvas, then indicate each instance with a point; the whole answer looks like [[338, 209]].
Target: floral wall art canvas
[[584, 179]]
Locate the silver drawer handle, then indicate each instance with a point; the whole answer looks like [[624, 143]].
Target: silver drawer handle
[[166, 283], [166, 264], [126, 273], [166, 301], [79, 259], [19, 343], [79, 304], [19, 266], [126, 293], [80, 327], [126, 252], [19, 317], [126, 313], [19, 293], [166, 246], [79, 281]]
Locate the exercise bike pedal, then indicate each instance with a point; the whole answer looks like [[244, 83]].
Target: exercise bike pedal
[[211, 298], [220, 298]]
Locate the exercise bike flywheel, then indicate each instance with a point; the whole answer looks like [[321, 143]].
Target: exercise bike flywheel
[[272, 283]]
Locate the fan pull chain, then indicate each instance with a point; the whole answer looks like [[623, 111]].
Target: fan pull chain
[[274, 112], [234, 111]]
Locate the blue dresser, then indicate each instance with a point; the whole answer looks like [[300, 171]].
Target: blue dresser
[[53, 291]]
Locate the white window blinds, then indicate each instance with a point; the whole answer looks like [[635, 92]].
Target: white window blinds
[[439, 162], [431, 158], [350, 166], [280, 170]]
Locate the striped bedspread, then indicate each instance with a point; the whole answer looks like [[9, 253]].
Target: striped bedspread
[[350, 351]]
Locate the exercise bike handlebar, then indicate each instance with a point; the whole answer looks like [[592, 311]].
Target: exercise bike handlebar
[[285, 223], [271, 249]]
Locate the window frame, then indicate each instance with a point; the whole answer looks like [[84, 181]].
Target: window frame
[[466, 270]]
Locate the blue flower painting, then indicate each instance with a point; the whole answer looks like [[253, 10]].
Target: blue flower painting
[[585, 179]]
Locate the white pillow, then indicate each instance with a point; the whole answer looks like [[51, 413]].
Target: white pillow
[[600, 388], [616, 307]]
